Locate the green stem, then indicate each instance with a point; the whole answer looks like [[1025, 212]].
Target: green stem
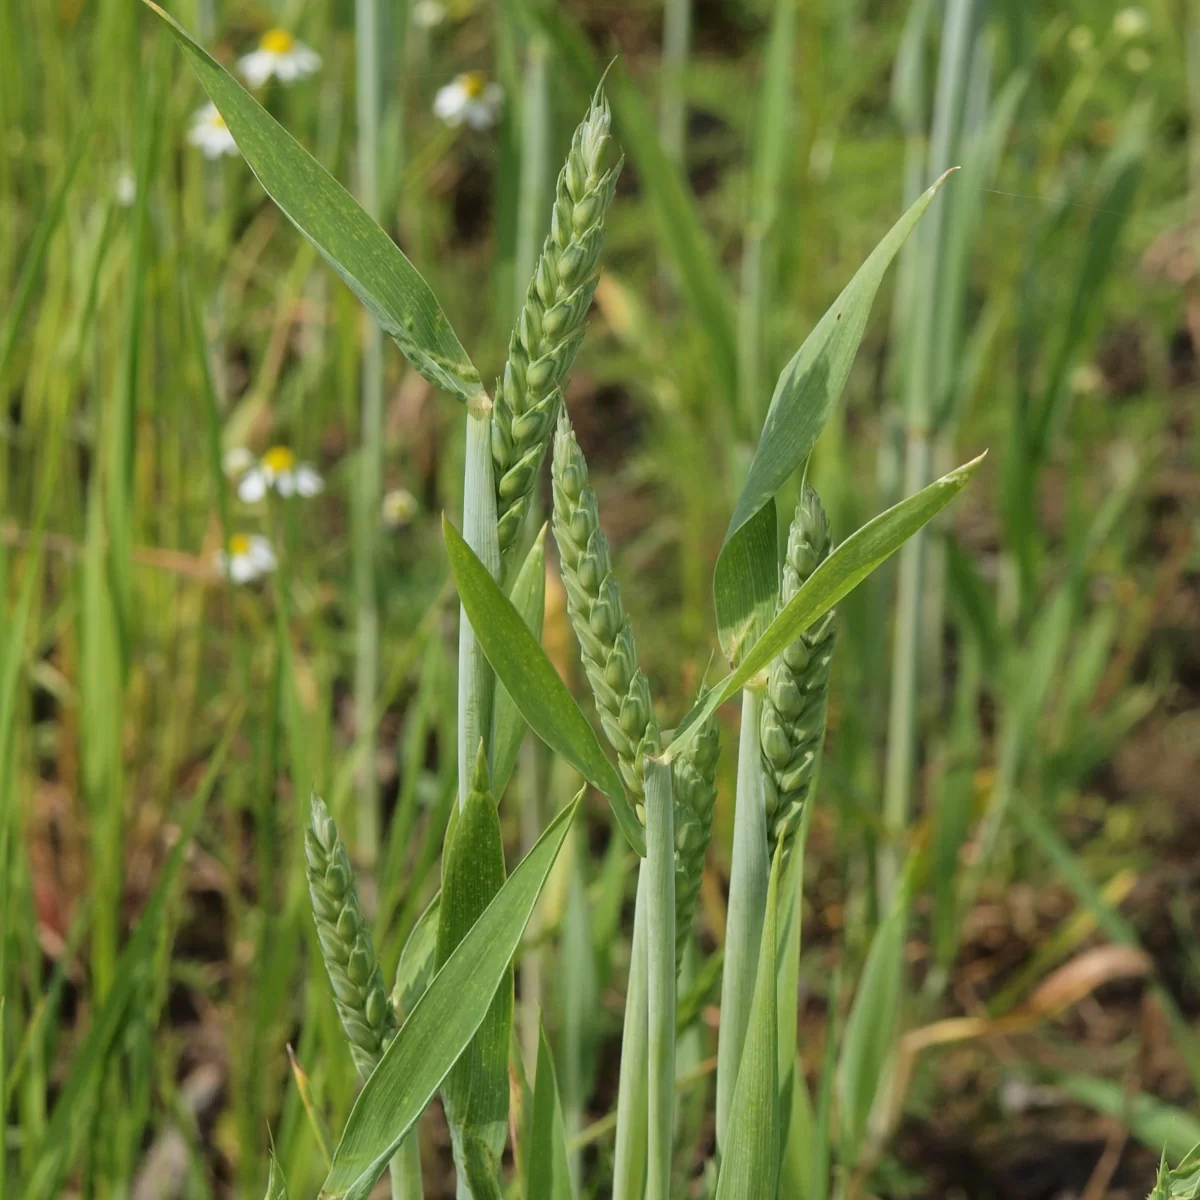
[[677, 36], [629, 1165], [405, 1169], [660, 975], [922, 389], [748, 881], [366, 675], [479, 531], [531, 221]]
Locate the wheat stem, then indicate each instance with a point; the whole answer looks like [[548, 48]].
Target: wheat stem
[[748, 879], [660, 976], [479, 529], [629, 1160]]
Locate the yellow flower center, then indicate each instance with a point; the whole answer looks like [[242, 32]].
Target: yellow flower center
[[473, 83], [239, 545], [278, 460], [216, 120], [277, 41]]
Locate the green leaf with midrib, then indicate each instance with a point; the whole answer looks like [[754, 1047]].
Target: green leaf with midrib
[[368, 261]]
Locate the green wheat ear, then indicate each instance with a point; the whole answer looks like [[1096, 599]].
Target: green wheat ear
[[550, 326], [792, 724], [605, 635], [362, 1001], [695, 774]]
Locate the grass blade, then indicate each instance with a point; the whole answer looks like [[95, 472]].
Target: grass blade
[[442, 1024], [805, 395], [475, 1093], [528, 596], [549, 1176], [531, 681], [750, 1163], [368, 261], [844, 569]]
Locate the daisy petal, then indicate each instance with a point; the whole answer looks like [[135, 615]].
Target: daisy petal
[[253, 486], [308, 482]]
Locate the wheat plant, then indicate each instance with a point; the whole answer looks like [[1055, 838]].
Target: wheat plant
[[448, 1026]]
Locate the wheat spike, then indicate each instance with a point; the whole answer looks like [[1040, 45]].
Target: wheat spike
[[358, 991], [792, 724], [605, 635], [550, 326]]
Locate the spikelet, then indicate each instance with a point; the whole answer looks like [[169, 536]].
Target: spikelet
[[358, 991], [695, 773], [550, 326], [792, 724], [594, 605]]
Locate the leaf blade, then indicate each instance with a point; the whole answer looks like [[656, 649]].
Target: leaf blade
[[440, 1026], [532, 682], [362, 254], [805, 395], [848, 565]]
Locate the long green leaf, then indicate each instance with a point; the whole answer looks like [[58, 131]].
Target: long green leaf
[[750, 1166], [838, 575], [549, 1176], [872, 1024], [528, 596], [418, 960], [368, 261], [532, 682], [475, 1093], [804, 398], [440, 1027]]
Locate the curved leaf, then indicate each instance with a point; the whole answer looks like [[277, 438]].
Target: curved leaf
[[838, 575], [530, 679], [369, 262], [805, 395], [440, 1027]]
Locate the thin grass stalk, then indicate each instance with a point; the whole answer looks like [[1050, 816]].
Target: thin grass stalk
[[748, 880], [920, 398], [766, 183], [369, 69], [475, 679], [531, 221], [629, 1160], [660, 976], [677, 39]]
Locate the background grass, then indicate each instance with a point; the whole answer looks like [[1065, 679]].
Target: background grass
[[1055, 807]]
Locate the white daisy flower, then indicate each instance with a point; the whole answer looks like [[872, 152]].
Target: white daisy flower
[[472, 99], [210, 133], [1132, 22], [249, 557], [125, 188], [279, 469], [399, 507], [428, 14], [281, 56]]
